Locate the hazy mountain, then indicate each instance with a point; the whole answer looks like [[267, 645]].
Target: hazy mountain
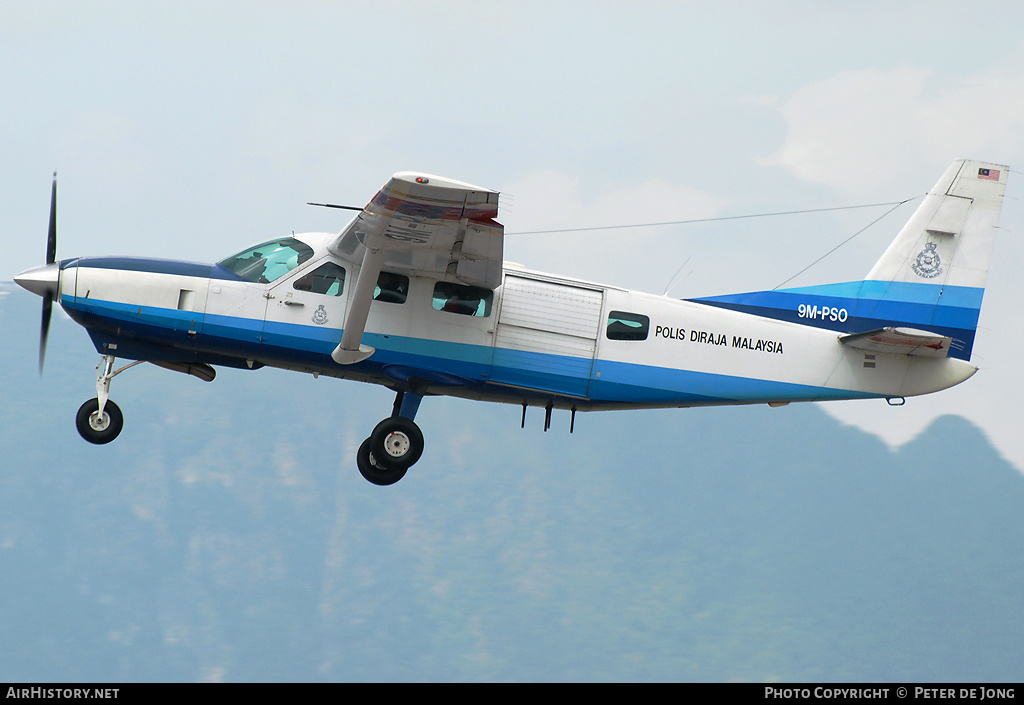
[[226, 535]]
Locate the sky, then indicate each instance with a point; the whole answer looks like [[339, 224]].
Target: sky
[[189, 130]]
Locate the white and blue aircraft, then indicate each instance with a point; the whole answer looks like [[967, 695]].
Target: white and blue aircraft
[[413, 295]]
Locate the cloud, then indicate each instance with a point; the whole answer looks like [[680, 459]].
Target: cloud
[[553, 200], [865, 132]]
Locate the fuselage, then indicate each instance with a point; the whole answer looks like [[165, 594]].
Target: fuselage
[[537, 339]]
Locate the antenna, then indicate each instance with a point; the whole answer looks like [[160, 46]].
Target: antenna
[[672, 286], [334, 205]]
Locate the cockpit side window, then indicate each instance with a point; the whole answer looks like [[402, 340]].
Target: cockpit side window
[[327, 279], [269, 261], [627, 326], [391, 288], [465, 300]]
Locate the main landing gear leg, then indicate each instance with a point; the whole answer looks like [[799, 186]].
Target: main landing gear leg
[[395, 444], [100, 420]]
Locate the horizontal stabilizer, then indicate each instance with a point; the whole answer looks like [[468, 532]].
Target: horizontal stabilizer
[[899, 341]]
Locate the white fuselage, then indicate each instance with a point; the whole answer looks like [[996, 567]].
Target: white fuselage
[[545, 339]]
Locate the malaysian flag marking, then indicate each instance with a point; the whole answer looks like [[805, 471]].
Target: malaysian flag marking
[[988, 174]]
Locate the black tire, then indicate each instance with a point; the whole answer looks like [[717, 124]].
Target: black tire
[[95, 429], [396, 442], [374, 472]]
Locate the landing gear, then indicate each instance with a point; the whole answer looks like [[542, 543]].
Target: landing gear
[[395, 444], [373, 470], [100, 420], [397, 441]]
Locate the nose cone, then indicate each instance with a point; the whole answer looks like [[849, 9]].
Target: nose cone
[[41, 281]]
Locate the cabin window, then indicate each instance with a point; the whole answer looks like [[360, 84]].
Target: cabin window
[[627, 326], [271, 260], [391, 288], [327, 279], [462, 299]]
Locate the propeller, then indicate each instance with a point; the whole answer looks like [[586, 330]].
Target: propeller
[[51, 257]]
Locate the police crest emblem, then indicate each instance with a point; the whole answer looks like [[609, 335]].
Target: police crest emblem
[[928, 264], [320, 316]]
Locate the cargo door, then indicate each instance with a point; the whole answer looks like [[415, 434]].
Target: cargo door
[[546, 336]]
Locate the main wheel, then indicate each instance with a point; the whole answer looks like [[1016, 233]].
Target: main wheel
[[96, 427], [396, 442], [373, 471]]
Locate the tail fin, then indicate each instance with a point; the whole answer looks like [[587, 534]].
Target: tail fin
[[931, 278], [948, 240]]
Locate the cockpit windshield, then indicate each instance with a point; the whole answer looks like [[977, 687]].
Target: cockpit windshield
[[269, 261]]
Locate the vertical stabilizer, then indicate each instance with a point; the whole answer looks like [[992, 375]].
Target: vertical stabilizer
[[949, 238]]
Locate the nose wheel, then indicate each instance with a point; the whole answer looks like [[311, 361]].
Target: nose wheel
[[97, 426]]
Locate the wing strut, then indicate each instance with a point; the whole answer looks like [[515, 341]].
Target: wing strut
[[351, 350]]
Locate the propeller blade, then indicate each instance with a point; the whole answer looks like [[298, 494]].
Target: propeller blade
[[51, 257], [51, 238], [44, 330]]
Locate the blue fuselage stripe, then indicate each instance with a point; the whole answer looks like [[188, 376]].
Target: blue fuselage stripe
[[163, 334], [856, 307]]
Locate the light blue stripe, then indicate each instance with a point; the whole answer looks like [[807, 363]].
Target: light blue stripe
[[910, 292], [895, 293]]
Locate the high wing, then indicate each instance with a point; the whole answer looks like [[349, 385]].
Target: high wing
[[900, 341], [419, 224], [430, 225]]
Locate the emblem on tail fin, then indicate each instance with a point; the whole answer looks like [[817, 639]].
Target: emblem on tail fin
[[928, 264]]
